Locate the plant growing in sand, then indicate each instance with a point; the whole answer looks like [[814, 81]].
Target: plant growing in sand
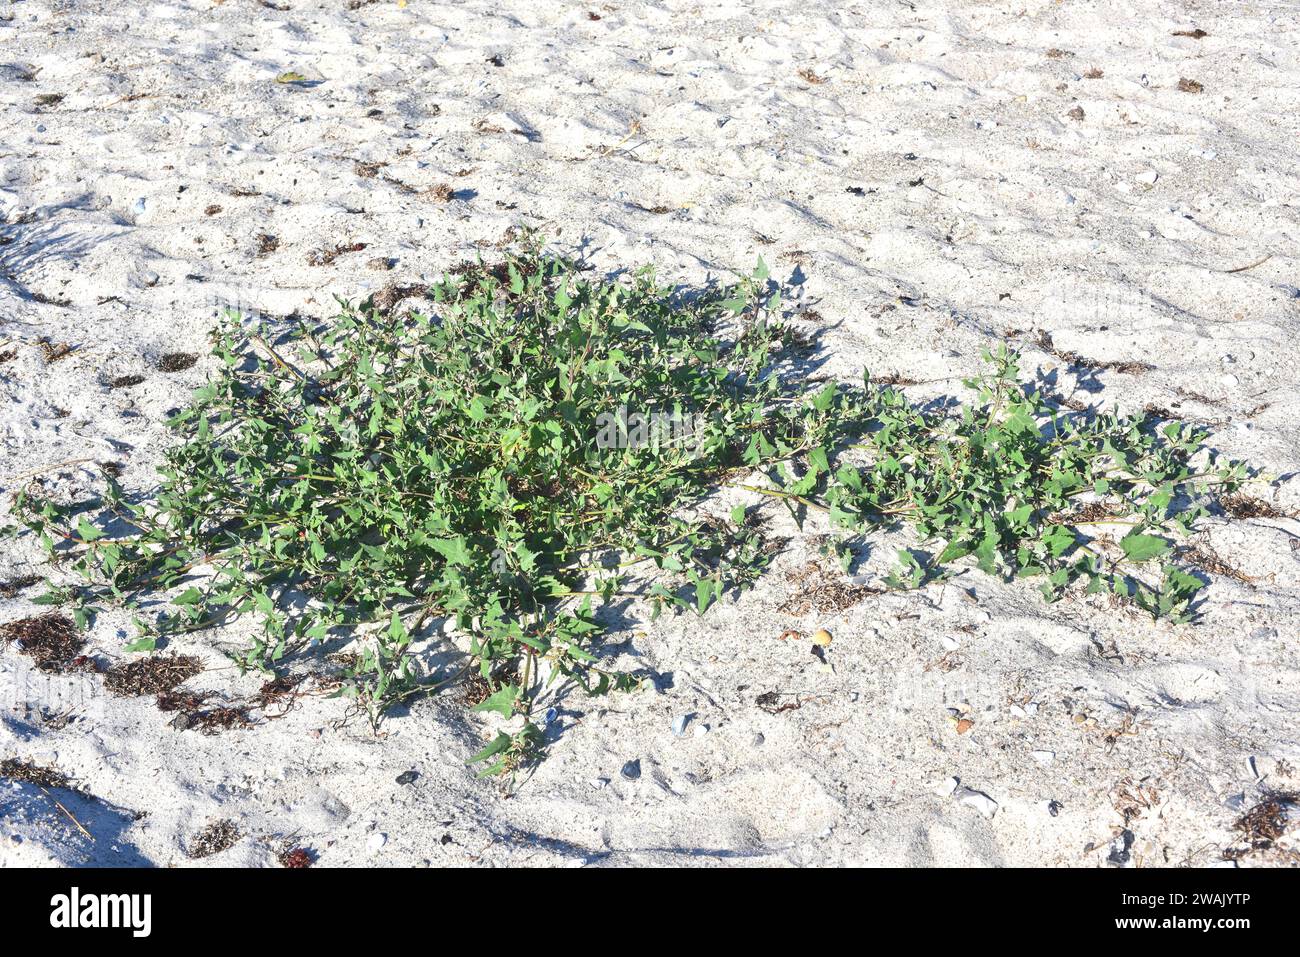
[[478, 463]]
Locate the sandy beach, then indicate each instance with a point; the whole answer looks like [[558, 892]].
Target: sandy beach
[[1110, 187]]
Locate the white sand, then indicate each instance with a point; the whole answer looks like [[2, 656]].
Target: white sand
[[139, 198]]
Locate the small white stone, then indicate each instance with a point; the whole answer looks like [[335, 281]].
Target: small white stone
[[978, 800], [947, 787], [949, 643], [1148, 177], [376, 841], [1043, 757]]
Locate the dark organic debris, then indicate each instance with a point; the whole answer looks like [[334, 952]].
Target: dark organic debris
[[1197, 34], [51, 640], [894, 378], [387, 298], [472, 271], [8, 354], [1241, 505], [443, 192], [1057, 54], [154, 675], [213, 839], [1045, 343], [326, 257], [52, 352], [770, 701], [817, 590], [212, 210], [125, 381], [280, 690], [195, 713], [267, 244], [13, 586], [1265, 824], [1208, 560], [1089, 514], [295, 857], [475, 690], [177, 361], [25, 771], [1190, 86]]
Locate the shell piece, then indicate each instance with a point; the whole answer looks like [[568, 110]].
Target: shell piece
[[822, 637]]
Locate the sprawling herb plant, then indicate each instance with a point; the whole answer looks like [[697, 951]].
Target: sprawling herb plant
[[505, 458]]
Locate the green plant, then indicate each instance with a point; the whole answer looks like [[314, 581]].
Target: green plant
[[516, 452], [1018, 488]]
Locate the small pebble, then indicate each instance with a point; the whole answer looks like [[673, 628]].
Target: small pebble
[[632, 770], [1043, 757], [376, 841], [680, 723], [408, 777], [757, 740], [976, 799]]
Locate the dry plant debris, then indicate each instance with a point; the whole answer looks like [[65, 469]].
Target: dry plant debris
[[213, 839], [52, 640], [153, 675]]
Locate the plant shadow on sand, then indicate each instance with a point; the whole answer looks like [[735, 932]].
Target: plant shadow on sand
[[42, 793]]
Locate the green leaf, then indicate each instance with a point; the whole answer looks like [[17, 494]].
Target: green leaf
[[501, 701], [191, 596], [1142, 548], [495, 747]]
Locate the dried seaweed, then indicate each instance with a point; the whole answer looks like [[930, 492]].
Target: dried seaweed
[[154, 675], [52, 640]]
